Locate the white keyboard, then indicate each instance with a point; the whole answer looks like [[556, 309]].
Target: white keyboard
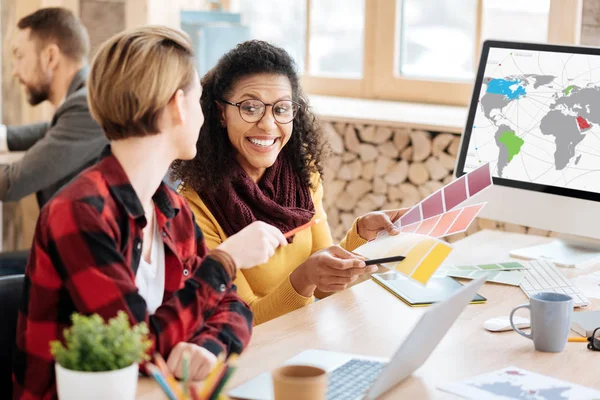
[[544, 276]]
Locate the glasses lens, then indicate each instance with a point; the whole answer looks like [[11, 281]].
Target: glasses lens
[[596, 339], [285, 111], [252, 110]]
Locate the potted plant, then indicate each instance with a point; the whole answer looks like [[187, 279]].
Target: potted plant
[[100, 360]]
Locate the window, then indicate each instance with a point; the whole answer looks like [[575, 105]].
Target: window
[[336, 38], [411, 50], [437, 39], [525, 21], [282, 23]]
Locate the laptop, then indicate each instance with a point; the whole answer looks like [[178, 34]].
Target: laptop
[[354, 376]]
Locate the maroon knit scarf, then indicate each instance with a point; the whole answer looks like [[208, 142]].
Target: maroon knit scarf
[[280, 199]]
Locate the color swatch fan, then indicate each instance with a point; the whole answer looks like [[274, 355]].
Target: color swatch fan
[[448, 223], [437, 216], [445, 204]]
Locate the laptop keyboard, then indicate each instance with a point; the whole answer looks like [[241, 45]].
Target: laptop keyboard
[[352, 379]]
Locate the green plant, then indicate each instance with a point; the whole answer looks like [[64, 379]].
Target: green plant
[[92, 345]]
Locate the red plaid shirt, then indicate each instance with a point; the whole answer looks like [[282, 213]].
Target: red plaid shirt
[[84, 258]]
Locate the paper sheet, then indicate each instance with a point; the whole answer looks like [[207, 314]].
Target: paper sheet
[[517, 383], [588, 284], [424, 254]]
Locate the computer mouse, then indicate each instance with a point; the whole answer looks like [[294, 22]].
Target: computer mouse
[[500, 324]]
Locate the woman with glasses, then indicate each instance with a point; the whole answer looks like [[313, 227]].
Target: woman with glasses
[[259, 157]]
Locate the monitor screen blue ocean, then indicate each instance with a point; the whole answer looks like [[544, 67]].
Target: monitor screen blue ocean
[[537, 118]]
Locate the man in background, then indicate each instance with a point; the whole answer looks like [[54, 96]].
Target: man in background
[[50, 57]]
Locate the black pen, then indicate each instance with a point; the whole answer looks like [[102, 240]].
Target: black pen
[[384, 260]]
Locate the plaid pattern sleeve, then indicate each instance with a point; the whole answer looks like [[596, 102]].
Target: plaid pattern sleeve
[[84, 257], [218, 334]]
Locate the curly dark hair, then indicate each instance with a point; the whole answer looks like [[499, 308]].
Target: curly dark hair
[[216, 154]]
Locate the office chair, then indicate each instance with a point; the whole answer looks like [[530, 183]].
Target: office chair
[[10, 296]]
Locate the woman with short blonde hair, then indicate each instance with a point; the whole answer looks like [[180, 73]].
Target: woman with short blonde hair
[[117, 238]]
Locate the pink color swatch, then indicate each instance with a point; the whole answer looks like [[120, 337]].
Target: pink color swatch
[[411, 228], [427, 225], [455, 193], [445, 222], [433, 205], [465, 219], [447, 198], [479, 179], [411, 217]]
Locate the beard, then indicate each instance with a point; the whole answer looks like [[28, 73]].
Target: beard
[[40, 92], [37, 94]]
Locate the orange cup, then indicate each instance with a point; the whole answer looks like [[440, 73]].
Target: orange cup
[[299, 382]]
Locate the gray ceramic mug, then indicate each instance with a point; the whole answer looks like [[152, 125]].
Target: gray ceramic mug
[[550, 320]]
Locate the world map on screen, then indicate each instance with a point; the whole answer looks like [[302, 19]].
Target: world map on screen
[[538, 118]]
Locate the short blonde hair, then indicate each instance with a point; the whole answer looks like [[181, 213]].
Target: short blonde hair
[[133, 77]]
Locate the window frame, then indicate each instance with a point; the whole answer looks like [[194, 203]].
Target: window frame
[[380, 80]]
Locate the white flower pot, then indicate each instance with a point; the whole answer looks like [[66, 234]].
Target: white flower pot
[[115, 385]]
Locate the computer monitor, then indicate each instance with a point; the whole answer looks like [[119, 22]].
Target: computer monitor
[[535, 116]]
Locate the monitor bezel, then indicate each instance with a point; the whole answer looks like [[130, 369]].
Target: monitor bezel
[[466, 136]]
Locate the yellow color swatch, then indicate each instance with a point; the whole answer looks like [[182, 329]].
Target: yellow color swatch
[[424, 254], [431, 262], [414, 256]]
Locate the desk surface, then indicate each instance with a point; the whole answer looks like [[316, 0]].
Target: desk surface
[[366, 319]]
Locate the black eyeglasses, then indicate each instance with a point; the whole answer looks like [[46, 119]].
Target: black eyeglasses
[[594, 340], [252, 111]]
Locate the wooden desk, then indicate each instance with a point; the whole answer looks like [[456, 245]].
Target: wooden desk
[[368, 320]]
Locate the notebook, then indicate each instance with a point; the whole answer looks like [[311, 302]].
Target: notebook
[[584, 322], [438, 288]]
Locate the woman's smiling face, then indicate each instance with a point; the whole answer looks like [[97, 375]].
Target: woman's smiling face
[[257, 144]]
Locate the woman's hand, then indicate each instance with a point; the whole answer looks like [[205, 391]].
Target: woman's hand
[[369, 225], [254, 244], [200, 364], [330, 270]]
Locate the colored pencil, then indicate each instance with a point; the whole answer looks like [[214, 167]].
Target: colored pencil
[[162, 366], [301, 228], [578, 339], [186, 373], [159, 377], [384, 260], [231, 366], [213, 387], [212, 377], [194, 393]]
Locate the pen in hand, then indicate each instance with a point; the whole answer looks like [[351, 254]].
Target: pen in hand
[[384, 260]]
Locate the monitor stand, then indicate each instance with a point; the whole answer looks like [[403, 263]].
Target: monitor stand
[[565, 251]]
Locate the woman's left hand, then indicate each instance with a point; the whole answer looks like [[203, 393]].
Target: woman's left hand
[[370, 224]]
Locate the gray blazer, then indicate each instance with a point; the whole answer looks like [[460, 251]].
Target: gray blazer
[[55, 152]]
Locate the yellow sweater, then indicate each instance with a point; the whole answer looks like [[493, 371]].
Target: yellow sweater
[[267, 288]]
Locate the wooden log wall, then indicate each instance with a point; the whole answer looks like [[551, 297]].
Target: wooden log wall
[[375, 167]]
